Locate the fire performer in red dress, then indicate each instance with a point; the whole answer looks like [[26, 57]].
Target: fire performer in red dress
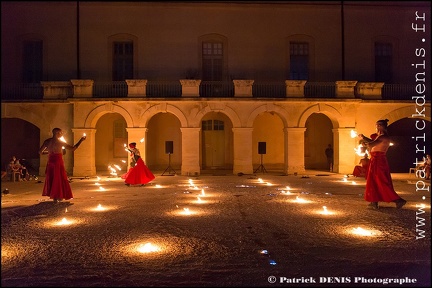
[[139, 173], [362, 169], [379, 185], [57, 185]]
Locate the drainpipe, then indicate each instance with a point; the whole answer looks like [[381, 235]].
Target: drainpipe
[[78, 43]]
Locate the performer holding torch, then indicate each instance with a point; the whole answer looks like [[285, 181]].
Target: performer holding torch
[[379, 185], [57, 185], [139, 173]]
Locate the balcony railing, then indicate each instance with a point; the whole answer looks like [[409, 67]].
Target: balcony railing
[[21, 91], [114, 89], [164, 89], [216, 89], [269, 89], [400, 92], [207, 89], [320, 90]]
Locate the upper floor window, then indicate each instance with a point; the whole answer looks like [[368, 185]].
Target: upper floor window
[[383, 62], [299, 61], [212, 61], [123, 52], [32, 61]]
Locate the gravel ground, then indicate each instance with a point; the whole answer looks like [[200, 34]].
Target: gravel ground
[[240, 232]]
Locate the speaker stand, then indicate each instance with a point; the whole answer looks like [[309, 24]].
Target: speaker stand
[[169, 169], [261, 166]]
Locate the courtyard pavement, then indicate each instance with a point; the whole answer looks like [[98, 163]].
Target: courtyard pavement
[[216, 230]]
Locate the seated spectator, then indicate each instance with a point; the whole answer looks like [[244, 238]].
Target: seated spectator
[[14, 166], [362, 169], [25, 176]]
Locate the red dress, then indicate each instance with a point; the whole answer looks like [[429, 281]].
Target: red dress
[[379, 185], [361, 171], [56, 181], [139, 174]]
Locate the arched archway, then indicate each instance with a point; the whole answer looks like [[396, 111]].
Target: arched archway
[[110, 137], [163, 127], [22, 139], [318, 136], [274, 139], [403, 133]]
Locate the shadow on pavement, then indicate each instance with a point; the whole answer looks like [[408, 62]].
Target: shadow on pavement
[[43, 208]]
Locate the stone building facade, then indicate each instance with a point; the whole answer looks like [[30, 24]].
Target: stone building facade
[[274, 61]]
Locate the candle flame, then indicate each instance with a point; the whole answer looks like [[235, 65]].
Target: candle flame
[[353, 134], [64, 221], [147, 248], [362, 232], [300, 200], [100, 208], [325, 211], [186, 211]]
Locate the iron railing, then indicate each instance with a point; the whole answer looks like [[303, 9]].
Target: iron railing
[[401, 92], [207, 89], [320, 90], [269, 89], [21, 91], [114, 89], [164, 89], [216, 89]]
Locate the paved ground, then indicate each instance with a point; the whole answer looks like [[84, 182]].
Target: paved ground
[[216, 230]]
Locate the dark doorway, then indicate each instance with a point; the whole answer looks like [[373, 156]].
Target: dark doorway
[[402, 154]]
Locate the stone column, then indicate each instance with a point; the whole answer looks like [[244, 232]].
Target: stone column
[[243, 88], [56, 89], [242, 150], [295, 88], [294, 150], [190, 152], [82, 88], [139, 136], [345, 89], [370, 90], [190, 87], [137, 88], [344, 154], [84, 156]]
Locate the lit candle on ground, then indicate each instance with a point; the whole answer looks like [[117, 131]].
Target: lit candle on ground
[[64, 221], [362, 232], [147, 248]]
